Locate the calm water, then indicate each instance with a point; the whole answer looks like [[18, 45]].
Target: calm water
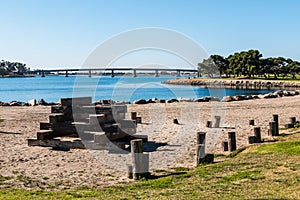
[[125, 88]]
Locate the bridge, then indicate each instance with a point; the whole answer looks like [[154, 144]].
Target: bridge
[[114, 70]]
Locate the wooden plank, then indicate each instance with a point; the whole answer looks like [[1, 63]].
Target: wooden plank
[[76, 101], [142, 137], [44, 134], [50, 134], [96, 119], [64, 127], [75, 144], [59, 117], [45, 126]]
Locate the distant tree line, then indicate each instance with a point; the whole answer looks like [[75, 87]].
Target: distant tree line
[[12, 68], [249, 64]]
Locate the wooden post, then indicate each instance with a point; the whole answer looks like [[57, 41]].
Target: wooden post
[[175, 121], [208, 124], [275, 118], [251, 122], [201, 137], [272, 128], [251, 139], [133, 115], [217, 122], [140, 161], [225, 146], [200, 154], [293, 120], [138, 120], [257, 134], [289, 126], [130, 172], [232, 141]]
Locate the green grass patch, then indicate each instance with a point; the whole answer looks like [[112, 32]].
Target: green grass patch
[[268, 171], [289, 148]]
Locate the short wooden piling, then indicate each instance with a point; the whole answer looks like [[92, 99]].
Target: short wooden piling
[[276, 119], [201, 137], [225, 146], [289, 126], [200, 154], [257, 134], [133, 115], [272, 128], [137, 158], [293, 120], [175, 121], [129, 172], [138, 120], [251, 139], [251, 122], [217, 121], [232, 141], [208, 124]]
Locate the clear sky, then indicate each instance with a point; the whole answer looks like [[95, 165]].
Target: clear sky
[[62, 33]]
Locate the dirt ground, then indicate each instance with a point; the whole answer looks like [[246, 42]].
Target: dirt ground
[[171, 145]]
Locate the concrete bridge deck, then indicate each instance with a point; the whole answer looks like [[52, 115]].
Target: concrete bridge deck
[[112, 71]]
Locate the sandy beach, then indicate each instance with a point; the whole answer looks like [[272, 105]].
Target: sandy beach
[[40, 167]]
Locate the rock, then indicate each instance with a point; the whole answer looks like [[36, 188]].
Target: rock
[[14, 103], [151, 101], [162, 101], [236, 98], [278, 93], [287, 93], [25, 104], [269, 95], [140, 101], [42, 102], [248, 97], [32, 102], [214, 99], [227, 99], [184, 99], [172, 100]]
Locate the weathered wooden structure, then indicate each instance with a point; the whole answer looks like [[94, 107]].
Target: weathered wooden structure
[[78, 123]]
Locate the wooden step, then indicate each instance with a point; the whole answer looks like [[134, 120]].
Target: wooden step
[[76, 101], [56, 143]]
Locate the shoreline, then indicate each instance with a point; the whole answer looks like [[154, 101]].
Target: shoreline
[[247, 84], [276, 94]]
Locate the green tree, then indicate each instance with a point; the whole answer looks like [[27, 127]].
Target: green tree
[[207, 67], [221, 64]]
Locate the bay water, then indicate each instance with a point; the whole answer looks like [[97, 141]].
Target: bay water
[[119, 88]]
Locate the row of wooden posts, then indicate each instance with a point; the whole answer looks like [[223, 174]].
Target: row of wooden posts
[[140, 160], [230, 145]]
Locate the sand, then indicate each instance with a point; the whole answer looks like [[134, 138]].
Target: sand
[[172, 145]]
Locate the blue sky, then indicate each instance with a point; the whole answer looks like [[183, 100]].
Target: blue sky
[[62, 33]]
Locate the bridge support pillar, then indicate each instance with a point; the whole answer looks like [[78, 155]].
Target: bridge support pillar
[[90, 73], [156, 73], [67, 73], [43, 73], [178, 73], [112, 73], [134, 73]]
